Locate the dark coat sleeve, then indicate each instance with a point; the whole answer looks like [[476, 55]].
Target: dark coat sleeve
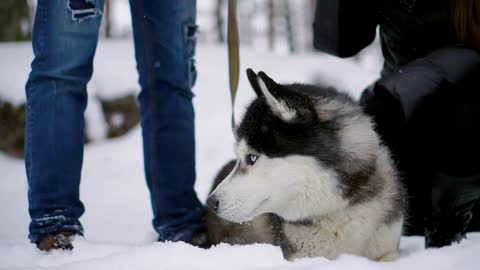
[[344, 27], [393, 99], [422, 77]]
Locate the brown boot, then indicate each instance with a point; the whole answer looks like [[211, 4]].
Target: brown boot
[[60, 240]]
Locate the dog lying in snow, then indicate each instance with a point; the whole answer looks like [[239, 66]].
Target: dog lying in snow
[[311, 176]]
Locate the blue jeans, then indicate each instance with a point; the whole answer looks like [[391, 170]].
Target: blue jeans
[[64, 42]]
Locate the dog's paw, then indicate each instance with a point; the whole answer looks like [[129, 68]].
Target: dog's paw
[[389, 257]]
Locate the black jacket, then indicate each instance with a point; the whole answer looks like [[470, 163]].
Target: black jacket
[[417, 43], [409, 29], [426, 105]]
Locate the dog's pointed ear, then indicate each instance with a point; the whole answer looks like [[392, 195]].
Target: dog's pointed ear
[[253, 79], [272, 93]]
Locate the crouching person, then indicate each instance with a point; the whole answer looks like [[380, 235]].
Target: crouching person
[[426, 104]]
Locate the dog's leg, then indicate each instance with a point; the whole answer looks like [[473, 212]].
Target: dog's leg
[[384, 244]]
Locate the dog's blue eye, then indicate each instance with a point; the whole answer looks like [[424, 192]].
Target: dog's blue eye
[[251, 159]]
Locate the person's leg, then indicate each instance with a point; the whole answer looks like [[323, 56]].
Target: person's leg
[[449, 130], [436, 153], [64, 41], [164, 35]]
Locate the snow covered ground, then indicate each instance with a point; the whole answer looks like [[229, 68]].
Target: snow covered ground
[[117, 219]]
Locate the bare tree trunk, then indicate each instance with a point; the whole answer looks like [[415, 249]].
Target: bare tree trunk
[[108, 19], [309, 17], [246, 13], [246, 30], [220, 22], [288, 24], [15, 22], [271, 24]]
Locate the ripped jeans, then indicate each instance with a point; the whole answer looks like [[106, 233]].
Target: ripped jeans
[[64, 42]]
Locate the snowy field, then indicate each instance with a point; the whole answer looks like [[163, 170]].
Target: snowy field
[[118, 234]]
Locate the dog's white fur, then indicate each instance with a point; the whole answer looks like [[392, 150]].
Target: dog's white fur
[[293, 191], [357, 229], [272, 186]]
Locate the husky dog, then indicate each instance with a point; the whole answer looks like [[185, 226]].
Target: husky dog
[[311, 176]]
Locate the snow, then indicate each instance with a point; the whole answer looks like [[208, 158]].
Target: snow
[[118, 215]]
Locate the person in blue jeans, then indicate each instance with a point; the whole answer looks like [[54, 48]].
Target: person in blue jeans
[[65, 37]]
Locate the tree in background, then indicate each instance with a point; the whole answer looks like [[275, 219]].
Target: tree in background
[[220, 22], [271, 24], [276, 23], [15, 20], [107, 18], [288, 25]]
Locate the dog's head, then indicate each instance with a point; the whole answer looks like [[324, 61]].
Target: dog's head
[[286, 157]]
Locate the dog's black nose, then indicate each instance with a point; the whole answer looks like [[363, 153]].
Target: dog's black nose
[[212, 203]]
